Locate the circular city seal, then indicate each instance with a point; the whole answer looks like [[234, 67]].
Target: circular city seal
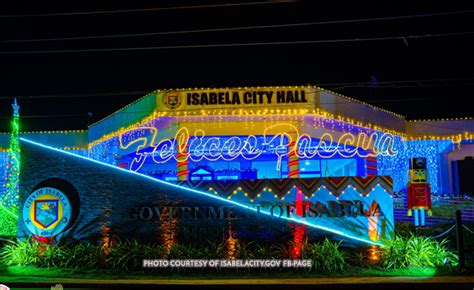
[[173, 100], [47, 212]]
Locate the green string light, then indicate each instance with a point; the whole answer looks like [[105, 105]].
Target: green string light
[[10, 195]]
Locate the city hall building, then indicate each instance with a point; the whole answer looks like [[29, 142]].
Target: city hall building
[[246, 133], [263, 162]]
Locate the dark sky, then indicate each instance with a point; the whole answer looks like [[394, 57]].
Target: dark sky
[[429, 77]]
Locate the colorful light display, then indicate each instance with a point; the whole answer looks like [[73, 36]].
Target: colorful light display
[[397, 166], [168, 135], [10, 195], [390, 163]]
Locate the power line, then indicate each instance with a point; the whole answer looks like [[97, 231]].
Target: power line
[[344, 84], [112, 94], [148, 9], [402, 86], [399, 81], [346, 21], [243, 44], [137, 112], [85, 115], [320, 103]]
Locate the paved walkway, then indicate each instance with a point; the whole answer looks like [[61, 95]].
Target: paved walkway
[[20, 281]]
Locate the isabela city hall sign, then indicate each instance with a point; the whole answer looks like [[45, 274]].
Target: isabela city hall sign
[[174, 100]]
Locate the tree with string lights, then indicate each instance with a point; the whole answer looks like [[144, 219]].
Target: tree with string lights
[[10, 195]]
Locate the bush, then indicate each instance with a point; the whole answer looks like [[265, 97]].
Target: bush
[[245, 251], [129, 255], [30, 252], [83, 256], [179, 251], [213, 250], [416, 251], [268, 251], [365, 257], [326, 256]]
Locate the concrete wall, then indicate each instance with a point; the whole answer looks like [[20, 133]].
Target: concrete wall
[[107, 195]]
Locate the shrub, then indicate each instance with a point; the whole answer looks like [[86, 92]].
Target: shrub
[[267, 251], [128, 255], [83, 256], [179, 251], [362, 257], [416, 251], [244, 250], [213, 250], [30, 252], [326, 256]]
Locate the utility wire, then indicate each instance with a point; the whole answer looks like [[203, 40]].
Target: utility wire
[[112, 94], [399, 81], [321, 103], [137, 112], [243, 44], [147, 9], [401, 86], [144, 92], [346, 21]]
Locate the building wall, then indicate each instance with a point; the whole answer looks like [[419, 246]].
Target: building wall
[[465, 150]]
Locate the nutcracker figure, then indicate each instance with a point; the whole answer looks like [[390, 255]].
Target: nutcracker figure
[[419, 193]]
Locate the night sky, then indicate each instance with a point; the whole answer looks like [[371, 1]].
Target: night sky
[[423, 77]]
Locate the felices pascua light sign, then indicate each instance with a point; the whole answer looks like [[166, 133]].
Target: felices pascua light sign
[[275, 139]]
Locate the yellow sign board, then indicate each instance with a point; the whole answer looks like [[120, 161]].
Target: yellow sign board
[[235, 98]]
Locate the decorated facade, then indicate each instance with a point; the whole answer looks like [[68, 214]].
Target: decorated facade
[[242, 144], [267, 132]]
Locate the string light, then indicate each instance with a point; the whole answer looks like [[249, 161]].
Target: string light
[[251, 115], [249, 111], [105, 147], [397, 166], [10, 196]]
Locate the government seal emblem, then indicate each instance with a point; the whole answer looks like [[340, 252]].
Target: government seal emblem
[[47, 212], [172, 100]]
